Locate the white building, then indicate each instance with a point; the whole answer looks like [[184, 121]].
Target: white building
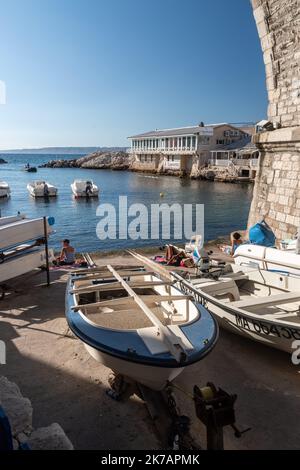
[[181, 149]]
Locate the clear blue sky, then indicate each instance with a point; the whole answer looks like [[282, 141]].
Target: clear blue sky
[[92, 72]]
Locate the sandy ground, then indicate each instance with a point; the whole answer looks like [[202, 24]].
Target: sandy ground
[[67, 386]]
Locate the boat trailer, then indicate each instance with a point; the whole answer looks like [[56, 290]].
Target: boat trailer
[[213, 406]]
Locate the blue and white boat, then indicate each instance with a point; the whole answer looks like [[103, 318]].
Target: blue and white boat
[[138, 324]]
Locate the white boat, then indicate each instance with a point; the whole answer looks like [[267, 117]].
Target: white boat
[[138, 325], [41, 189], [18, 230], [258, 304], [267, 258], [18, 262], [4, 189], [84, 188]]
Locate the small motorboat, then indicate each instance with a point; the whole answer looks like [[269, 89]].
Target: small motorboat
[[41, 189], [270, 259], [30, 169], [258, 304], [137, 324], [4, 189], [84, 188]]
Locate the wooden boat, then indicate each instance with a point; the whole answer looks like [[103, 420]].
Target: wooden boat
[[4, 189], [137, 324], [267, 258], [255, 303], [41, 189], [22, 260], [18, 230], [84, 188]]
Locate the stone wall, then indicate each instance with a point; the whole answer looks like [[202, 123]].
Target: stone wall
[[277, 189]]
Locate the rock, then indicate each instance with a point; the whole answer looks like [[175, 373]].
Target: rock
[[17, 408], [96, 160], [2, 161], [52, 437]]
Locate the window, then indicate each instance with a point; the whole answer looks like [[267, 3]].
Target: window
[[220, 141], [188, 142]]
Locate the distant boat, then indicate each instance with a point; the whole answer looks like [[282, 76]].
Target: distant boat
[[41, 189], [30, 169], [84, 188], [4, 189]]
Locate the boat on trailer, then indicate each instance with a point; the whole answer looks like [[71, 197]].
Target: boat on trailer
[[258, 304], [137, 323]]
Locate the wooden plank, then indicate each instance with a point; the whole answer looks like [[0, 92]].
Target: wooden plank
[[270, 300], [117, 285], [104, 269], [152, 265], [107, 275], [148, 299], [173, 342]]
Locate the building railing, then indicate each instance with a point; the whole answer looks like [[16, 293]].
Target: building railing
[[172, 150], [250, 162]]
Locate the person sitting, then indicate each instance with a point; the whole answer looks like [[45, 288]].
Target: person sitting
[[88, 188], [236, 241], [67, 254]]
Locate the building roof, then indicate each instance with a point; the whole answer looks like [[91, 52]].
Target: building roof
[[190, 130]]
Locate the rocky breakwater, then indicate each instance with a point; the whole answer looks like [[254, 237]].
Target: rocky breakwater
[[96, 160]]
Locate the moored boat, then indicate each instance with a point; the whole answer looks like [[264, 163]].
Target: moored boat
[[137, 324], [84, 188], [30, 169], [41, 189], [4, 189]]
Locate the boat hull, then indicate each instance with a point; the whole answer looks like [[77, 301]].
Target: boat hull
[[274, 335], [139, 353], [23, 263], [279, 335], [150, 376], [21, 231]]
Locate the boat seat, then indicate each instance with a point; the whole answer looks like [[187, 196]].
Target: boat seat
[[269, 300], [220, 288]]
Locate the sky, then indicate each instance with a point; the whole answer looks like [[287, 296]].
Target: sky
[[93, 72]]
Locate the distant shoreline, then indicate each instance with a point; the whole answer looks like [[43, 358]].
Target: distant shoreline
[[61, 150]]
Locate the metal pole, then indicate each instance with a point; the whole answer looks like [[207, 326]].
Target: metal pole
[[46, 250]]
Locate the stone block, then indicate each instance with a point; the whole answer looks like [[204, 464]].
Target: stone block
[[17, 408], [52, 437]]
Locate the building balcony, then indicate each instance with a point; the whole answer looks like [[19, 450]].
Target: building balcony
[[165, 151], [240, 162]]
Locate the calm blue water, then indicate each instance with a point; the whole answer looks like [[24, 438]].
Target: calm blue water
[[226, 205]]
